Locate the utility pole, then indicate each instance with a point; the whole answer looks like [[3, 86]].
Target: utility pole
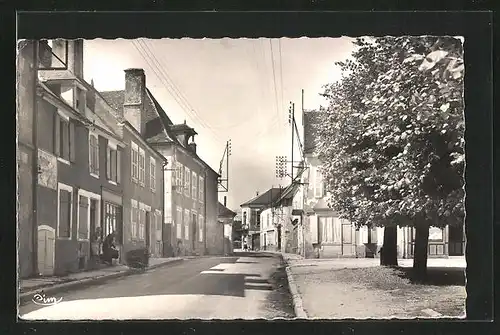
[[291, 120], [223, 183]]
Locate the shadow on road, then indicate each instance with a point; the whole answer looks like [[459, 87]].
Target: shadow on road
[[437, 276]]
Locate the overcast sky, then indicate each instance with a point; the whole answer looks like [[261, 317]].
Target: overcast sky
[[227, 89]]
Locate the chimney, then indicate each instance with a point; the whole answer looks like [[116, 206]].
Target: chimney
[[135, 93], [225, 201], [257, 193]]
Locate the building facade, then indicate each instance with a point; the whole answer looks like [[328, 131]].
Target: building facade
[[252, 220], [71, 162], [331, 236], [226, 220], [189, 187]]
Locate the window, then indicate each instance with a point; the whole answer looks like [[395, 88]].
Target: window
[[134, 219], [435, 234], [64, 138], [330, 229], [194, 189], [201, 189], [94, 154], [200, 228], [152, 174], [65, 209], [178, 222], [83, 218], [179, 170], [318, 184], [244, 218], [186, 224], [268, 219], [158, 225], [113, 164], [142, 223], [187, 181], [142, 167], [135, 162], [112, 220]]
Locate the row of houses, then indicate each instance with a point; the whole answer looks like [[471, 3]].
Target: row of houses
[[91, 163], [297, 219]]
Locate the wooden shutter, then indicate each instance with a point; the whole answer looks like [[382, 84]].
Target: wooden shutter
[[313, 223], [118, 166], [108, 163], [57, 134], [97, 154], [83, 218], [64, 213], [72, 138]]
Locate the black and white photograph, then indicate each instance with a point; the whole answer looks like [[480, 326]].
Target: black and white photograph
[[241, 178]]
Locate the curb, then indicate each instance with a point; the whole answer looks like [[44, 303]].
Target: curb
[[296, 298], [27, 296]]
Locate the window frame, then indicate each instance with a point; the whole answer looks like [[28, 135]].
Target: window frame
[[93, 151], [134, 219], [134, 166], [194, 185], [69, 189], [318, 184], [187, 181], [179, 223], [152, 174], [201, 229], [186, 218], [111, 149], [90, 196], [142, 169], [201, 189]]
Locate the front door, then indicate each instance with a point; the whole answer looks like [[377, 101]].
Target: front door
[[46, 249], [148, 231], [347, 238]]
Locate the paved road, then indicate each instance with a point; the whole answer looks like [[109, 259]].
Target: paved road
[[247, 286]]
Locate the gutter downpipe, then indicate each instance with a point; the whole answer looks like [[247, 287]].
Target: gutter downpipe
[[35, 160]]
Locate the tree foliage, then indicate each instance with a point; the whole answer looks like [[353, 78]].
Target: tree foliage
[[392, 144]]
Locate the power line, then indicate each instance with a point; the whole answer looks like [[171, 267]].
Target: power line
[[170, 85], [281, 75], [274, 77]]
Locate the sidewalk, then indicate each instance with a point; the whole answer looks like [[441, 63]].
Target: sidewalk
[[360, 288], [28, 287]]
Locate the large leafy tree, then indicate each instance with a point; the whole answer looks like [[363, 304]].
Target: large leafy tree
[[393, 137]]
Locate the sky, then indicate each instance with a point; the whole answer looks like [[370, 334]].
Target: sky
[[237, 89]]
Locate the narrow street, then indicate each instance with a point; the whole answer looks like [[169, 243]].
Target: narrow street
[[246, 286]]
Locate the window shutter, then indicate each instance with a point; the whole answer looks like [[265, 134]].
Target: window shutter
[[72, 138], [108, 163], [118, 166], [57, 134], [97, 154], [313, 223]]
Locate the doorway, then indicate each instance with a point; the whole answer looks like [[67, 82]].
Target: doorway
[[46, 250]]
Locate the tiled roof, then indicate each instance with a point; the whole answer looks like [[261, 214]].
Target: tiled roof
[[156, 121], [158, 125], [264, 199], [311, 121], [223, 211]]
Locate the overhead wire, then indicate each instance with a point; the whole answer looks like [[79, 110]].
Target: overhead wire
[[181, 100]]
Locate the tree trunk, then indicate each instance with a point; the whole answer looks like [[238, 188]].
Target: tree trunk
[[389, 251], [420, 253]]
